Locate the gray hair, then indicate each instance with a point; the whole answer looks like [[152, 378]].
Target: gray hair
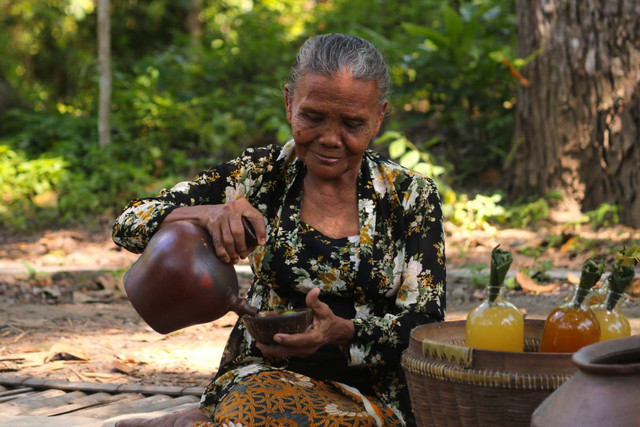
[[328, 54]]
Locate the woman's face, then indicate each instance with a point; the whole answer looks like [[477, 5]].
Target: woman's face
[[333, 118]]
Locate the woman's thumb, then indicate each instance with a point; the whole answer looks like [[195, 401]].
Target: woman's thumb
[[312, 300]]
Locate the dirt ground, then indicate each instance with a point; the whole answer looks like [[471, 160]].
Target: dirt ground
[[64, 314]]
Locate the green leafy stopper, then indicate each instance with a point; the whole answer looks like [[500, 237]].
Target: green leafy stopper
[[500, 263], [592, 269], [622, 274]]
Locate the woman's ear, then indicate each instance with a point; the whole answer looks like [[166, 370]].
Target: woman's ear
[[287, 101], [381, 113]]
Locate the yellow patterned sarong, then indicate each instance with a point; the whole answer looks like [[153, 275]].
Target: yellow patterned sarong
[[285, 398]]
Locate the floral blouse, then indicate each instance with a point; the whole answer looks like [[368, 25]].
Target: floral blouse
[[388, 279]]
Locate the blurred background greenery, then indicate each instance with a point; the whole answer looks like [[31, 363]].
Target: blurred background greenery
[[188, 93]]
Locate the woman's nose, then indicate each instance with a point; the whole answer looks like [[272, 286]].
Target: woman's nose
[[331, 135]]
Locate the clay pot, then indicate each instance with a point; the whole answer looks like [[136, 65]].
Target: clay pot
[[178, 281], [604, 392], [264, 326]]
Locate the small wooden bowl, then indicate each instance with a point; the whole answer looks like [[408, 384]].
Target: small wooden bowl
[[268, 323]]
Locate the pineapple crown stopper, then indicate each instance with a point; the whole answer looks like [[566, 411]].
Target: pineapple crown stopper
[[500, 263]]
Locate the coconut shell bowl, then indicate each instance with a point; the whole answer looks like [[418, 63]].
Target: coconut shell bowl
[[266, 324]]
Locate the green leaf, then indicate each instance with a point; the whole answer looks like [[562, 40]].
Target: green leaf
[[410, 159], [438, 39], [397, 148], [452, 21]]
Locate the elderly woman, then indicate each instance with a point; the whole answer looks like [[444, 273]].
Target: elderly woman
[[354, 236]]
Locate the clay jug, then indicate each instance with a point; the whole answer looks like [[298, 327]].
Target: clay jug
[[604, 392], [178, 281]]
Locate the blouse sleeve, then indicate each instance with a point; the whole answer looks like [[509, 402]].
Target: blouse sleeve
[[240, 177], [419, 278]]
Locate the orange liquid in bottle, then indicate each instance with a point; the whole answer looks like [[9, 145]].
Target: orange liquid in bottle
[[568, 329], [499, 326], [613, 323]]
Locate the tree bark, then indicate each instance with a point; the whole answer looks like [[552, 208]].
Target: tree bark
[[578, 123], [193, 24], [104, 71]]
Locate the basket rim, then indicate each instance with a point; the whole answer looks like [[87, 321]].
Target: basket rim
[[480, 377]]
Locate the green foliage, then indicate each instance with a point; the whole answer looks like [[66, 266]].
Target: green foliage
[[453, 74], [70, 180], [525, 214], [27, 183], [479, 276], [480, 213], [604, 215], [183, 102], [409, 156]]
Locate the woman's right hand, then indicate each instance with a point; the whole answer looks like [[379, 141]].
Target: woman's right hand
[[225, 225]]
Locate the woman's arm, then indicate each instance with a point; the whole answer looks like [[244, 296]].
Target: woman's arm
[[233, 180]]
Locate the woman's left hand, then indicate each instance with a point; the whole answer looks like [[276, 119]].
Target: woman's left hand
[[327, 328]]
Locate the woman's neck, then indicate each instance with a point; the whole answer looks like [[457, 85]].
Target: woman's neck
[[331, 208]]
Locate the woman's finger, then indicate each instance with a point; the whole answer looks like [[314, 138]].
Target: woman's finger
[[229, 242], [255, 218], [218, 245], [237, 231]]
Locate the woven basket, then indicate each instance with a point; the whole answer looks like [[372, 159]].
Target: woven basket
[[451, 384]]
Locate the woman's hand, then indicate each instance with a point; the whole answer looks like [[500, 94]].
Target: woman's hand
[[224, 224], [327, 328]]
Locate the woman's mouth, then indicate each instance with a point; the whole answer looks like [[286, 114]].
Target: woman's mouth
[[326, 159]]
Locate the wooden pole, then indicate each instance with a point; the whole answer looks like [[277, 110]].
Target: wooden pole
[[104, 72]]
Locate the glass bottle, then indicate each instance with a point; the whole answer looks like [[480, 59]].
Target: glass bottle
[[496, 324], [598, 294], [572, 326], [613, 322]]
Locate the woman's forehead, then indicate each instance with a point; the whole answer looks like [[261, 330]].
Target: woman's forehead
[[320, 87]]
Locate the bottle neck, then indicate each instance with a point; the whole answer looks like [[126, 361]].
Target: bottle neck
[[612, 299], [580, 296], [493, 292]]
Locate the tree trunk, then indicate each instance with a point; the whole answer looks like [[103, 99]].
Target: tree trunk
[[193, 24], [104, 71], [578, 123]]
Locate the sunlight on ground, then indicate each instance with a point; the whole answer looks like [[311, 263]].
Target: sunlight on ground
[[200, 358]]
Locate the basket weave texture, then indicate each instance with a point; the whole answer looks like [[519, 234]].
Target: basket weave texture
[[451, 384]]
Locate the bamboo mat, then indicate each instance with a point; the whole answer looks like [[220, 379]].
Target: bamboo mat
[[31, 402]]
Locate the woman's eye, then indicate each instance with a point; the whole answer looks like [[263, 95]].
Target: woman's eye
[[312, 117], [353, 125]]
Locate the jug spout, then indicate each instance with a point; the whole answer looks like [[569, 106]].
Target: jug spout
[[244, 308], [178, 281]]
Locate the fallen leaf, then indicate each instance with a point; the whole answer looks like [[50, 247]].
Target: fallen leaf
[[569, 245], [100, 375], [61, 351], [528, 284], [124, 368], [8, 367], [48, 367]]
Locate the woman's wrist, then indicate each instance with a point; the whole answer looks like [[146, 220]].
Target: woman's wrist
[[193, 214], [345, 332]]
